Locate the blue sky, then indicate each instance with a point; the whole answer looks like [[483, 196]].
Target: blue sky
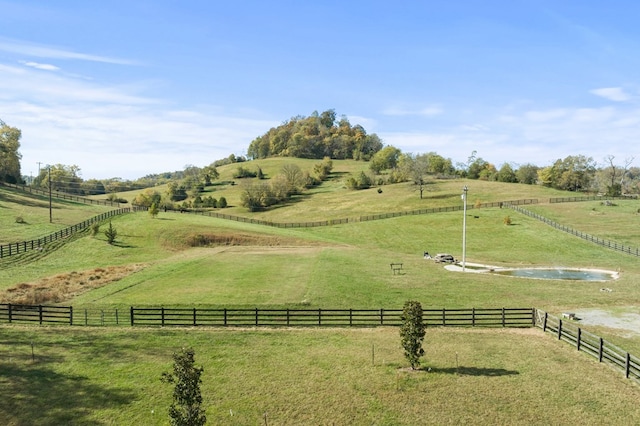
[[129, 88]]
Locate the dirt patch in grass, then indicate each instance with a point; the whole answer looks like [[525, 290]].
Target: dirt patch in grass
[[61, 287], [626, 319]]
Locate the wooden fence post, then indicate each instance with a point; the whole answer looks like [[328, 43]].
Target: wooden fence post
[[40, 313], [579, 337], [131, 313], [559, 329], [256, 317], [381, 316], [350, 316], [162, 316], [319, 316], [600, 350], [225, 316], [473, 317], [627, 366], [503, 318], [70, 315], [195, 322], [10, 314], [544, 324]]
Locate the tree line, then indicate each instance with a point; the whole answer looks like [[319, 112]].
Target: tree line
[[322, 136]]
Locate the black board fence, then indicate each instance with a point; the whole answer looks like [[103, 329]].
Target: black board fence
[[164, 317], [635, 251], [40, 314], [584, 341], [332, 222], [12, 249], [592, 198], [257, 317], [61, 195]]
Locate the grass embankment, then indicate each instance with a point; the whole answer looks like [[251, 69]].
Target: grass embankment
[[309, 376]]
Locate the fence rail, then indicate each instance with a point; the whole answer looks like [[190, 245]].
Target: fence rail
[[591, 344], [501, 317], [591, 198], [11, 249], [340, 221], [61, 195], [256, 317], [36, 313], [635, 251]]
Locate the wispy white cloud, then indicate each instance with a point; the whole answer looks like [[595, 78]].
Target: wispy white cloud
[[37, 65], [615, 94], [532, 136], [26, 49], [115, 130], [424, 112]]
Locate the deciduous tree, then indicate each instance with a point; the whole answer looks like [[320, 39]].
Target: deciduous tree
[[186, 408], [9, 154]]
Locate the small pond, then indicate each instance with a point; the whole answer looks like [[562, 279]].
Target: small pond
[[572, 274], [559, 274]]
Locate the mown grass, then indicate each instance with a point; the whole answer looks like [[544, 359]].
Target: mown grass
[[332, 199], [33, 212], [618, 221], [331, 267], [308, 376]]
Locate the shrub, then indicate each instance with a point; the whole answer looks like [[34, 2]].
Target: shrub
[[20, 219], [186, 408], [95, 228], [241, 172], [412, 332], [111, 233], [507, 220], [153, 210], [222, 202]]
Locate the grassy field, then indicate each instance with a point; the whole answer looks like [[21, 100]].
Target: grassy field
[[306, 376], [25, 216]]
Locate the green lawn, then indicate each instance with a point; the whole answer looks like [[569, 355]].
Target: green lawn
[[318, 376], [309, 376], [26, 217]]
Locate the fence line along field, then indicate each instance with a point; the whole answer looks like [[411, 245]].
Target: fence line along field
[[318, 375]]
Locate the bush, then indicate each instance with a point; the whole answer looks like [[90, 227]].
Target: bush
[[186, 408], [241, 173], [507, 220], [20, 219], [95, 228], [412, 332], [111, 233], [222, 202]]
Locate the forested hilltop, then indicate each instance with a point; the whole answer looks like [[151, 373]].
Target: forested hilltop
[[317, 136]]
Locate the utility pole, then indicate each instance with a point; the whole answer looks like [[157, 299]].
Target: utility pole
[[38, 163], [50, 211], [464, 229]]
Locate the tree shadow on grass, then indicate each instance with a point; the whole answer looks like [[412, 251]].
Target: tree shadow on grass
[[34, 394], [475, 371]]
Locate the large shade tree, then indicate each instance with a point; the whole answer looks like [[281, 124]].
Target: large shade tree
[[9, 154]]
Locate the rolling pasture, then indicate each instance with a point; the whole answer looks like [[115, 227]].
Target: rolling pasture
[[328, 376]]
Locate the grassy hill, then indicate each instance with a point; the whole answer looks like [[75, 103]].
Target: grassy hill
[[193, 260]]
